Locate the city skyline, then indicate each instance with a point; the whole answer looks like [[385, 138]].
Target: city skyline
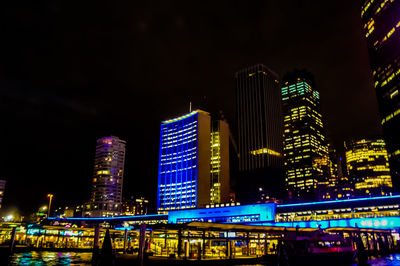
[[54, 118]]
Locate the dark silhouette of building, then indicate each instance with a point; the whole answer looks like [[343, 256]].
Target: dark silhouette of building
[[2, 189], [381, 21], [259, 121]]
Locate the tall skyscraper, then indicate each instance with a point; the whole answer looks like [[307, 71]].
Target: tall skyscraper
[[184, 162], [193, 163], [108, 176], [333, 182], [259, 121], [2, 189], [305, 148], [219, 168], [381, 21], [368, 166]]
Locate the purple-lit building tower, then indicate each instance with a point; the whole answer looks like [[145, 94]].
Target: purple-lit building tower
[[108, 177], [381, 23]]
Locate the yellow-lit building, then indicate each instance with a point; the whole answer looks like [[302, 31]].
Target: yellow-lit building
[[368, 166], [305, 149], [219, 162]]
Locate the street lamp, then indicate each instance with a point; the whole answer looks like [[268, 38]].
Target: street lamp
[[50, 196]]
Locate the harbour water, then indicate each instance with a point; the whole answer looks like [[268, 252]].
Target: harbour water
[[84, 258], [51, 258]]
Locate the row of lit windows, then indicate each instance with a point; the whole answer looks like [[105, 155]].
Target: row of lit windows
[[388, 35], [179, 135], [177, 160], [366, 6], [177, 153], [387, 118]]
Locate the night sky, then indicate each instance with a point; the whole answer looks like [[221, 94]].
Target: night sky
[[74, 71]]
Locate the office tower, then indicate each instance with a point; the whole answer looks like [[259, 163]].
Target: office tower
[[259, 121], [305, 148], [219, 167], [135, 206], [333, 182], [2, 189], [108, 176], [368, 166], [184, 162], [381, 21]]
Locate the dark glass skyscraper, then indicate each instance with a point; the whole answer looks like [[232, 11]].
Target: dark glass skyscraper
[[259, 121], [305, 148], [381, 22]]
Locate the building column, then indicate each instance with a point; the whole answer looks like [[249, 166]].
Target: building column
[[265, 244], [125, 239], [179, 242], [203, 250], [391, 242], [165, 241], [226, 245], [247, 244]]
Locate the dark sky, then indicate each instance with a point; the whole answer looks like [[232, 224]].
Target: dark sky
[[74, 71]]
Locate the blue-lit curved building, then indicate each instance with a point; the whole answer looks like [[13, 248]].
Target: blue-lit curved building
[[184, 162]]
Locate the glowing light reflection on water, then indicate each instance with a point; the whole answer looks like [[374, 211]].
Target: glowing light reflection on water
[[51, 258], [84, 258]]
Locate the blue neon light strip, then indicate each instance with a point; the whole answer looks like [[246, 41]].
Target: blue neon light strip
[[374, 223], [337, 201], [132, 217]]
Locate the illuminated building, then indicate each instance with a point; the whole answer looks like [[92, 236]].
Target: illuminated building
[[368, 166], [219, 162], [381, 212], [381, 22], [132, 206], [226, 214], [108, 176], [2, 189], [356, 208], [305, 149], [184, 162], [259, 121]]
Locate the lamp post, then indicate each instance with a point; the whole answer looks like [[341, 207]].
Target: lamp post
[[50, 196]]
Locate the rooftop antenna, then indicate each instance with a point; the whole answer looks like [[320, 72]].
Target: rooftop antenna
[[190, 107]]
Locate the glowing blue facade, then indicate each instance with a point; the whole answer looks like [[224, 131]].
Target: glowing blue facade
[[228, 214], [374, 222], [180, 180]]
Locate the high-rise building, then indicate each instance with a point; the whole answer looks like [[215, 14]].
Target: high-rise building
[[305, 148], [2, 189], [219, 167], [108, 176], [259, 121], [193, 162], [368, 166], [381, 22], [135, 206], [333, 182], [184, 162]]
